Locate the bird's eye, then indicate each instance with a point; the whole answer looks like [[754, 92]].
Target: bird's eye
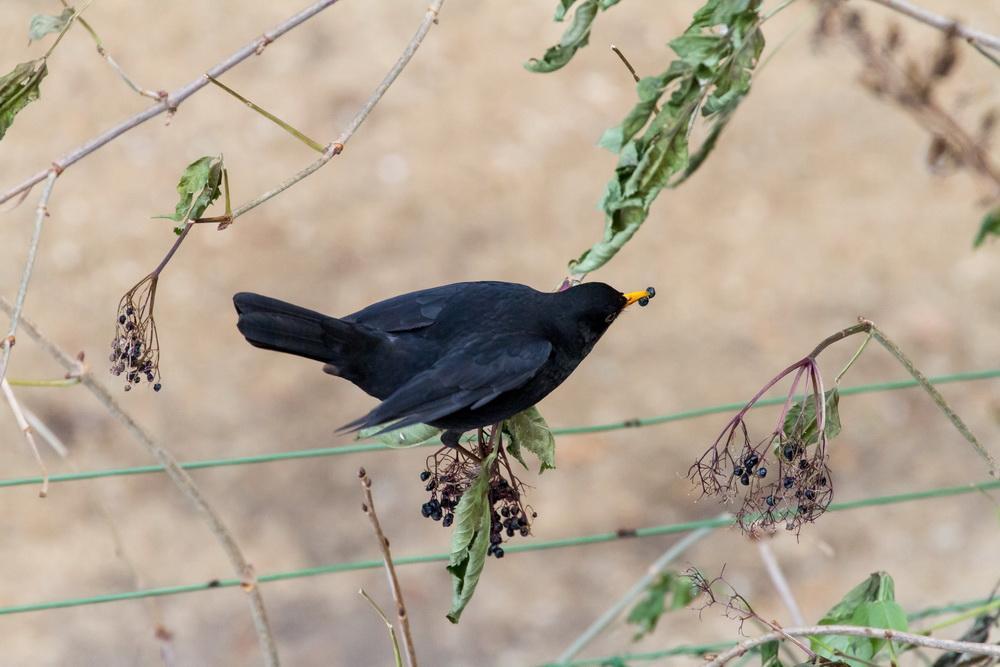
[[611, 318]]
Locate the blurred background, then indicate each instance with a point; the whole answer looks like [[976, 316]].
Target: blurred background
[[815, 208]]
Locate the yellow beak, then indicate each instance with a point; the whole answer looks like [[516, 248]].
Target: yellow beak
[[642, 296]]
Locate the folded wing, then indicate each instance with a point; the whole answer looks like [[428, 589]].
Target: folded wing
[[472, 374]]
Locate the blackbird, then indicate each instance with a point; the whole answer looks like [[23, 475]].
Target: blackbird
[[457, 357]]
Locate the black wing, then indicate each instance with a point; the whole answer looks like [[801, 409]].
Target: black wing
[[407, 312], [472, 374]]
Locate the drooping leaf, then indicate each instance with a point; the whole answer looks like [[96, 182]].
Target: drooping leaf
[[869, 604], [528, 430], [199, 186], [989, 227], [576, 36], [801, 423], [711, 75], [670, 591], [470, 539], [410, 436], [18, 89], [43, 24], [769, 655]]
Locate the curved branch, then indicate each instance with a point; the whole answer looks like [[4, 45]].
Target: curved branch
[[181, 479], [974, 648], [941, 23], [171, 101]]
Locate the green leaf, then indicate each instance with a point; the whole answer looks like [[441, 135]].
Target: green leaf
[[576, 36], [801, 424], [470, 539], [18, 89], [670, 591], [711, 75], [769, 655], [529, 430], [869, 604], [401, 438], [198, 187], [43, 24], [989, 226]]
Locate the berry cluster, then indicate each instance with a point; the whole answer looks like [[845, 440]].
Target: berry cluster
[[449, 474], [135, 350]]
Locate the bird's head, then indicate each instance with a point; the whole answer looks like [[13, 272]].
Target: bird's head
[[594, 306]]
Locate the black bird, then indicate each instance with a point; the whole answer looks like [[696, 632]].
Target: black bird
[[456, 357]]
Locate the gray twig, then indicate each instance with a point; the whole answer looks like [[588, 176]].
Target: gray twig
[[368, 507], [171, 101], [941, 23], [181, 479], [779, 581], [605, 619], [41, 213], [857, 631]]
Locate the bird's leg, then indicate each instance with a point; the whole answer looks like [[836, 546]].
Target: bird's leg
[[451, 439]]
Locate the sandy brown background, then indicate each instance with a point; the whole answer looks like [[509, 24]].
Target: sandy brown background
[[815, 208]]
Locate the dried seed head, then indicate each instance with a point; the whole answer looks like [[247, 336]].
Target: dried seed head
[[135, 348]]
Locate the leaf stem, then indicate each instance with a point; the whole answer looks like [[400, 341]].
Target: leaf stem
[[854, 358], [311, 143]]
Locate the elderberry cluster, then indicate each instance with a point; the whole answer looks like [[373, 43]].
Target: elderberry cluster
[[135, 349], [442, 509]]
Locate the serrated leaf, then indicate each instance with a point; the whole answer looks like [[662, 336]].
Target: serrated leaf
[[801, 424], [870, 604], [576, 36], [712, 73], [410, 436], [18, 89], [529, 430], [670, 591], [198, 187], [989, 227], [43, 24], [470, 539]]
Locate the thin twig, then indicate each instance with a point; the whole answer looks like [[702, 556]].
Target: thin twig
[[396, 655], [298, 134], [628, 65], [41, 213], [941, 23], [181, 479], [171, 101], [337, 147], [780, 582], [368, 507], [857, 631], [660, 564], [22, 423]]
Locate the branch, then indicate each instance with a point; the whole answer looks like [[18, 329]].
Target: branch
[[337, 146], [171, 101], [368, 507], [661, 563], [941, 23], [181, 479], [780, 582], [22, 423], [29, 264], [857, 631]]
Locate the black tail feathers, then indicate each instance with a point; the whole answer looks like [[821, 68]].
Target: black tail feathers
[[273, 324]]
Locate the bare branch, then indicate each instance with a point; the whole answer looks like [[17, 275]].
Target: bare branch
[[337, 147], [741, 649], [171, 101], [397, 592], [780, 582], [41, 213], [181, 479], [941, 23], [22, 423]]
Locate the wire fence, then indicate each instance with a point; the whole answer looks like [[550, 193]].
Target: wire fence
[[583, 540]]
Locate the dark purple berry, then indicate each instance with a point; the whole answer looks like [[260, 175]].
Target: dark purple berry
[[448, 519], [803, 464], [745, 480], [770, 501], [751, 461], [425, 475], [498, 552], [121, 319], [738, 471], [762, 471], [437, 514], [157, 387], [810, 494]]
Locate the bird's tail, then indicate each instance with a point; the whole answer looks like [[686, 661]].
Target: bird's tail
[[273, 324]]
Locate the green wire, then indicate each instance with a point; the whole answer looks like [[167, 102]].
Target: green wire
[[577, 430], [430, 558]]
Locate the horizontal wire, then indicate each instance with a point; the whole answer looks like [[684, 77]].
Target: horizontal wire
[[577, 430], [652, 531]]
